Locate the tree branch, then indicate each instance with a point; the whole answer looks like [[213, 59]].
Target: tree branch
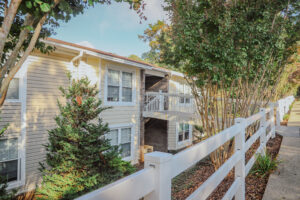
[[15, 69], [7, 22]]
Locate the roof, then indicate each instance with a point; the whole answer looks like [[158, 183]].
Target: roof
[[107, 54]]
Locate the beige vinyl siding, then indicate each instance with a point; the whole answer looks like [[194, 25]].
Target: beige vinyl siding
[[11, 114], [123, 114], [44, 77], [172, 136]]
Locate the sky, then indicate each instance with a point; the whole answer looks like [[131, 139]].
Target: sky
[[113, 28]]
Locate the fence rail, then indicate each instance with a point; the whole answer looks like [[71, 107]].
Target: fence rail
[[154, 182]]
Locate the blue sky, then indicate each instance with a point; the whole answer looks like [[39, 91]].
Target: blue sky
[[113, 28]]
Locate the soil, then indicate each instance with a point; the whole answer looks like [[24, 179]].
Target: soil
[[187, 182]]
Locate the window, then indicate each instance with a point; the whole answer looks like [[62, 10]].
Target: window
[[13, 90], [184, 89], [119, 86], [183, 132], [126, 87], [9, 159], [113, 85], [121, 137]]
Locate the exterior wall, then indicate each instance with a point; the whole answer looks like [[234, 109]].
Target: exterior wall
[[44, 77], [123, 114], [156, 134], [173, 144], [45, 74], [155, 84]]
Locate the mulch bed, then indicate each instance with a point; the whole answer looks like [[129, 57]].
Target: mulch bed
[[187, 182]]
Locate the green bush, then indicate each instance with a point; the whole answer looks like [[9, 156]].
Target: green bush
[[286, 117], [79, 157], [264, 165]]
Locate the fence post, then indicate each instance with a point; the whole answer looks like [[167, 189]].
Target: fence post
[[161, 162], [272, 117], [263, 138], [277, 114], [240, 168], [161, 101]]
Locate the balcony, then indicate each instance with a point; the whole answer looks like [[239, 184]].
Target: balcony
[[167, 106]]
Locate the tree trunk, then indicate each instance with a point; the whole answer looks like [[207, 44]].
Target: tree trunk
[[7, 22], [15, 69]]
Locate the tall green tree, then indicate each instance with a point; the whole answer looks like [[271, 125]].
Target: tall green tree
[[79, 157], [229, 49], [24, 23]]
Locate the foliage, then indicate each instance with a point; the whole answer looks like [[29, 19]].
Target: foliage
[[23, 25], [289, 78], [264, 165], [79, 157], [228, 49], [286, 117], [135, 57]]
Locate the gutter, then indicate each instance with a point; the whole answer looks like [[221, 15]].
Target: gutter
[[100, 55]]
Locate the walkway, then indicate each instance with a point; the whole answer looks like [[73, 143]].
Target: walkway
[[284, 183]]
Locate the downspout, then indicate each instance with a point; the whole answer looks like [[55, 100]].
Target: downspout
[[77, 57], [75, 73]]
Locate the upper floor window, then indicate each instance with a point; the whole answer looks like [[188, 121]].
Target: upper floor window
[[183, 132], [9, 160], [120, 86], [184, 89], [13, 90], [121, 137]]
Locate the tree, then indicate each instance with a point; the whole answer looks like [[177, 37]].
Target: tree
[[79, 157], [24, 23], [153, 34], [135, 57], [232, 53]]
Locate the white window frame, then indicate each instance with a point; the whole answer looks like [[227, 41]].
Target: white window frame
[[22, 75], [17, 182], [183, 142], [184, 93], [17, 76], [120, 102], [119, 127]]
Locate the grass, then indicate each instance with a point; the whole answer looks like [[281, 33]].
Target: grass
[[264, 165]]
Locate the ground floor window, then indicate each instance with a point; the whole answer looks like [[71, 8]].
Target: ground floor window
[[183, 132], [9, 160], [122, 137]]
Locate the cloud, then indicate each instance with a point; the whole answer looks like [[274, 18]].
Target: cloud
[[154, 11], [86, 44]]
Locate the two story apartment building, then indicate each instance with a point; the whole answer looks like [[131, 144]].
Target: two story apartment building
[[151, 106]]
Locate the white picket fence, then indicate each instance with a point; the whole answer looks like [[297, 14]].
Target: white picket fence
[[283, 108], [154, 182]]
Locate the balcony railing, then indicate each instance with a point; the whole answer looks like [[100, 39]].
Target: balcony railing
[[159, 101]]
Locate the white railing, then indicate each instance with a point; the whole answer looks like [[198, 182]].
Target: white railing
[[283, 108], [159, 101], [154, 182]]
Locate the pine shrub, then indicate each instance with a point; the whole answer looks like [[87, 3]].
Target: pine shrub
[[79, 159]]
